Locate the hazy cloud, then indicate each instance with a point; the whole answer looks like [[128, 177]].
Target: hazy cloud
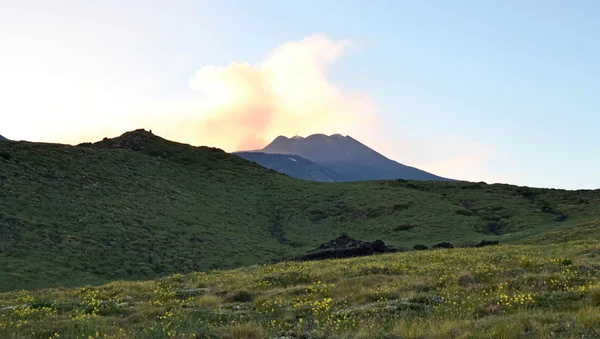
[[286, 94], [245, 106]]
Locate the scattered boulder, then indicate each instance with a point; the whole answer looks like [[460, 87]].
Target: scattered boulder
[[346, 247], [420, 247], [443, 245], [486, 243], [560, 218]]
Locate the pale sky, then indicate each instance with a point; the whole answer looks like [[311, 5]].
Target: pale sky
[[496, 91]]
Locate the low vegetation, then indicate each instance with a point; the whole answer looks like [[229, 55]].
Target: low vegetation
[[140, 207], [140, 237], [510, 291]]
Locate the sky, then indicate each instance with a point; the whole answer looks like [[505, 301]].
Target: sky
[[495, 91]]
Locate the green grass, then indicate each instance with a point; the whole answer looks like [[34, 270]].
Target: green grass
[[77, 215], [510, 291]]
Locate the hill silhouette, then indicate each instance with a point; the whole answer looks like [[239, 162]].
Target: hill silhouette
[[138, 206], [2, 138], [338, 158]]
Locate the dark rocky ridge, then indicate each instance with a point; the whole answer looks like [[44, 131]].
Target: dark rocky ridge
[[3, 138], [487, 243], [443, 245], [346, 247]]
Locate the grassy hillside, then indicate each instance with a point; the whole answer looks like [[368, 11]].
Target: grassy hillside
[[139, 207], [510, 291]]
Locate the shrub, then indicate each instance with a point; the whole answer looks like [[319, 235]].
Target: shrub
[[243, 331], [466, 280], [401, 206], [209, 301], [42, 303], [595, 296], [526, 262], [404, 227], [242, 296], [464, 211], [563, 261]]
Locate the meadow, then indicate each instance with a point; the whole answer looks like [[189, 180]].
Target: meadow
[[510, 291]]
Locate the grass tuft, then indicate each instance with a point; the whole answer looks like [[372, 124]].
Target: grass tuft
[[243, 331]]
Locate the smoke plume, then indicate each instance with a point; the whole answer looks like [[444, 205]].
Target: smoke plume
[[286, 94], [243, 107]]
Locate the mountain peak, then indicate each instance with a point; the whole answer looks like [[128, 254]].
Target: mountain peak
[[316, 135], [345, 154], [320, 147], [325, 136]]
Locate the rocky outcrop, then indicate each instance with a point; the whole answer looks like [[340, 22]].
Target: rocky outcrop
[[346, 247], [134, 140], [486, 243], [443, 245]]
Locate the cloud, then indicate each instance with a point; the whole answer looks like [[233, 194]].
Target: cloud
[[286, 94], [245, 106]]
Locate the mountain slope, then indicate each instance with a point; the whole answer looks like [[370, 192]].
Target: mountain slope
[[2, 138], [139, 206], [292, 165], [347, 156]]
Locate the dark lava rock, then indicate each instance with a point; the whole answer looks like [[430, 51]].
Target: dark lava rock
[[346, 247], [486, 243], [379, 246], [343, 241], [420, 247], [444, 245]]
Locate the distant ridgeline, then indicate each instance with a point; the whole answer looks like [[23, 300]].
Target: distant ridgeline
[[332, 158]]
